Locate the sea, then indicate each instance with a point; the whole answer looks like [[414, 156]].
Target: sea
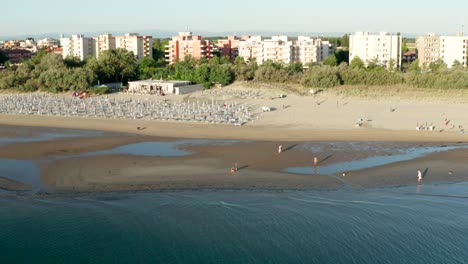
[[425, 223], [406, 224]]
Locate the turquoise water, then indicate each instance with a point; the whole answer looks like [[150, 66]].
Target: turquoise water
[[414, 224]]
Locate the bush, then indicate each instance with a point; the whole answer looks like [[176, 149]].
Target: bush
[[321, 77], [101, 90]]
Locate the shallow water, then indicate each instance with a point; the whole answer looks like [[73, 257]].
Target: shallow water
[[24, 171], [159, 149], [23, 135], [424, 224], [406, 154]]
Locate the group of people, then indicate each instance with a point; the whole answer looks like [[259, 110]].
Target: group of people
[[80, 94]]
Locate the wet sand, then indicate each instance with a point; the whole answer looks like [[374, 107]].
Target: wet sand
[[11, 185], [260, 166]]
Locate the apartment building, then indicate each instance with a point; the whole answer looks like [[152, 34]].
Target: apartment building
[[454, 49], [186, 44], [278, 49], [449, 49], [230, 47], [78, 46], [251, 49], [81, 47], [310, 50], [104, 42], [17, 55], [48, 43], [382, 48], [428, 49], [141, 46]]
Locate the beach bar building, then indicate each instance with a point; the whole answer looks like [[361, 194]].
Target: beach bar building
[[161, 87]]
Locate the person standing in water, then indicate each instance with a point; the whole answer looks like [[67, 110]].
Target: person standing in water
[[315, 161]]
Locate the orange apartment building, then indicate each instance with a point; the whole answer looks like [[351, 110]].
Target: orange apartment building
[[230, 47], [185, 44]]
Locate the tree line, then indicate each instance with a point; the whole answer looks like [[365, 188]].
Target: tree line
[[49, 72]]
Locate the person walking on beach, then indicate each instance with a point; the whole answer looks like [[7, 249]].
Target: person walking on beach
[[420, 177], [315, 161], [280, 149], [234, 168]]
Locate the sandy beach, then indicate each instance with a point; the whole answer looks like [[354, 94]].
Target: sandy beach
[[294, 119]]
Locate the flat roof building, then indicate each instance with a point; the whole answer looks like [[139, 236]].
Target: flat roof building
[[78, 46], [428, 47], [381, 48], [161, 87], [185, 44]]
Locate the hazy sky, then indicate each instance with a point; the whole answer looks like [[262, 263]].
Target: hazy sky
[[240, 16]]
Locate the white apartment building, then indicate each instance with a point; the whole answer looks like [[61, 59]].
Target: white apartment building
[[251, 49], [78, 46], [310, 50], [383, 48], [453, 48], [81, 47], [278, 49], [48, 43], [307, 50], [141, 46], [104, 42], [449, 49]]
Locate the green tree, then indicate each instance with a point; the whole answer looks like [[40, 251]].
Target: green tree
[[73, 62], [117, 65], [414, 66], [404, 47], [330, 61], [3, 57], [356, 63], [321, 77], [146, 68], [202, 75], [293, 68], [341, 56], [345, 41], [38, 57], [437, 66], [93, 65], [457, 64], [159, 49], [373, 65], [221, 74]]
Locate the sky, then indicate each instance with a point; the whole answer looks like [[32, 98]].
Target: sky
[[239, 16]]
